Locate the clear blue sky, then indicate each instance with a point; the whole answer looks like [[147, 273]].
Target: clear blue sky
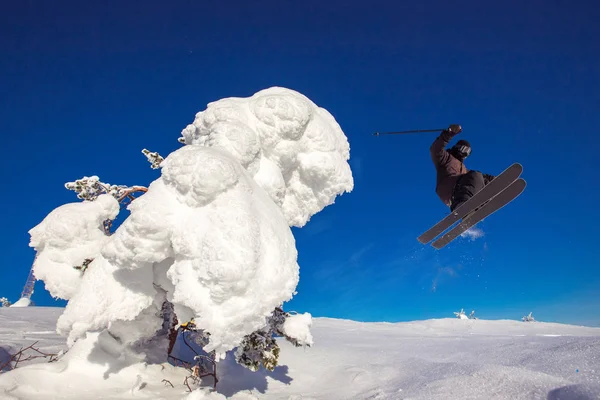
[[85, 87]]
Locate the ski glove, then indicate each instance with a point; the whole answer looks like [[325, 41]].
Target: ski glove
[[487, 178], [455, 129]]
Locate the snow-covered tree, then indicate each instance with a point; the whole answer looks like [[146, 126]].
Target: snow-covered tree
[[461, 314], [209, 241], [4, 302], [528, 318], [472, 315]]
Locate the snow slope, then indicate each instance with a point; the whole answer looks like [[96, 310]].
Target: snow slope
[[433, 359]]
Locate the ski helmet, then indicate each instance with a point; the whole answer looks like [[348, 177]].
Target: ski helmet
[[461, 150]]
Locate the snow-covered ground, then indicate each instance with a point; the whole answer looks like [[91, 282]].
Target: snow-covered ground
[[433, 359]]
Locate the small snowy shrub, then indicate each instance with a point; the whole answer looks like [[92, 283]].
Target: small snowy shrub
[[528, 318], [461, 314]]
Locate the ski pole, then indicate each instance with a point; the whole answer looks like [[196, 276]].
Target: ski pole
[[413, 131]]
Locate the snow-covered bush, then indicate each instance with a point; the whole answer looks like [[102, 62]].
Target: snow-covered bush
[[528, 318], [4, 302], [211, 237], [461, 314], [472, 315], [260, 347]]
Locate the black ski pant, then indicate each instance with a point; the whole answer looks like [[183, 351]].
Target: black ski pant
[[466, 186]]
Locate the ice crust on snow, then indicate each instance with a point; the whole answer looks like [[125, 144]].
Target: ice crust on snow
[[211, 235]]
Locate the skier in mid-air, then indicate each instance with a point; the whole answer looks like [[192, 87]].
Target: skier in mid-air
[[455, 183]]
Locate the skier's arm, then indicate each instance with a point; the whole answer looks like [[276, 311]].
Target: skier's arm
[[439, 155]]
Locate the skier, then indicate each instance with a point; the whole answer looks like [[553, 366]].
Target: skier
[[455, 183]]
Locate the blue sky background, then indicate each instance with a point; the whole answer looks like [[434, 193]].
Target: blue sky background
[[85, 86]]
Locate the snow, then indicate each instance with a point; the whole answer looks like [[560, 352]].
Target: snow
[[461, 314], [298, 327], [211, 235], [67, 237], [473, 233], [433, 359], [22, 302], [295, 150]]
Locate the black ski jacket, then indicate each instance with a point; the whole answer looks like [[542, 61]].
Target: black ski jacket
[[448, 168]]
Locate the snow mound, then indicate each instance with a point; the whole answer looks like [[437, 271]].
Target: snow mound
[[22, 302], [295, 150], [67, 237]]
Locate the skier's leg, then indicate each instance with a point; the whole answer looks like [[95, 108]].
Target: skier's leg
[[467, 185]]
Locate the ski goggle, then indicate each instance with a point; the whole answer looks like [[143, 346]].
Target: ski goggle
[[464, 150]]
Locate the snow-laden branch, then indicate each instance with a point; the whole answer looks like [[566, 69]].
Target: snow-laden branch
[[67, 241], [261, 349], [90, 188], [154, 158]]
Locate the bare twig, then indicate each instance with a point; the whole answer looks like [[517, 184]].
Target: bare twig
[[194, 379], [181, 363], [187, 344], [213, 374], [195, 369], [20, 357], [166, 381], [133, 189]]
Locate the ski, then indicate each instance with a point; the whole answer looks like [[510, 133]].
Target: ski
[[496, 203], [497, 185]]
